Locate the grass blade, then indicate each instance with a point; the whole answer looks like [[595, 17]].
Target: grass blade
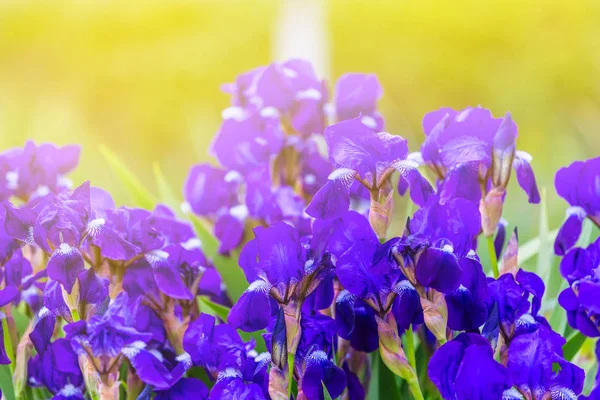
[[138, 194], [166, 194], [573, 345]]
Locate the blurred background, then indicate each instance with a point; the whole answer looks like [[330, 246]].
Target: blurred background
[[144, 78]]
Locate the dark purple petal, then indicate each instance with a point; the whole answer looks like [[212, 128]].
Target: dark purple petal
[[42, 332], [8, 295], [252, 310], [280, 253], [525, 176], [465, 312], [168, 280], [321, 371], [4, 359], [54, 301], [533, 284], [64, 265], [111, 244], [354, 270], [356, 391], [198, 340], [588, 296], [407, 306], [569, 231], [500, 238], [333, 199], [439, 269], [480, 376], [530, 360], [185, 389], [462, 181], [92, 289], [420, 189]]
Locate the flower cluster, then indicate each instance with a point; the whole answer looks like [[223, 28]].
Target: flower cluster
[[127, 301]]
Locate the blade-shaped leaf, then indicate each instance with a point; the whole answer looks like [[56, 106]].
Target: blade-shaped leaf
[[545, 250], [139, 195], [531, 248], [573, 345], [166, 194]]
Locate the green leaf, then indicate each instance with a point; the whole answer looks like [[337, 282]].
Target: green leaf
[[138, 194], [326, 395], [573, 345], [532, 247], [166, 194], [6, 384], [231, 274], [386, 385], [586, 234], [545, 250], [373, 393], [214, 309], [218, 310]]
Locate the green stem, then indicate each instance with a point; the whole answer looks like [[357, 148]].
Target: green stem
[[410, 347], [493, 258], [290, 361], [8, 345], [415, 389]]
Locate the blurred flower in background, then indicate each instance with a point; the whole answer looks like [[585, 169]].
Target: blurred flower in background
[[143, 78]]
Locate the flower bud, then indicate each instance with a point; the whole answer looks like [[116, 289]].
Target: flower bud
[[435, 313], [390, 348], [279, 342], [292, 327], [509, 258], [382, 208], [277, 384], [490, 208], [503, 152]]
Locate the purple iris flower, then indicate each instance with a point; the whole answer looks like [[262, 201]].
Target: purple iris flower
[[464, 368], [360, 153], [34, 171], [578, 185], [356, 95], [437, 256], [280, 269], [56, 368], [473, 154], [289, 90], [531, 357], [580, 299]]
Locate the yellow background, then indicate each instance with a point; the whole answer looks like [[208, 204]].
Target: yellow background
[[143, 78]]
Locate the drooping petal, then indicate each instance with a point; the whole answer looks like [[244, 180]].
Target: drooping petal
[[198, 340], [279, 253], [64, 265], [185, 389], [253, 309], [322, 371], [438, 269], [570, 230], [229, 230], [42, 332], [333, 199], [420, 188], [525, 176], [480, 376]]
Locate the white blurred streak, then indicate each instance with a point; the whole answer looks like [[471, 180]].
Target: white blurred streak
[[300, 31]]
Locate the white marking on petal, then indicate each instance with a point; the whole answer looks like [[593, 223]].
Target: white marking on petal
[[259, 286], [269, 112], [69, 390], [12, 180], [235, 113], [157, 354], [312, 94], [192, 244], [261, 141], [64, 181], [341, 173], [185, 359], [155, 257], [369, 121], [310, 179], [95, 226], [252, 353], [42, 190], [229, 373], [263, 357], [133, 349], [63, 250], [415, 157], [576, 210], [44, 312], [290, 73], [448, 248], [317, 356], [463, 115], [524, 155], [233, 176], [240, 212]]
